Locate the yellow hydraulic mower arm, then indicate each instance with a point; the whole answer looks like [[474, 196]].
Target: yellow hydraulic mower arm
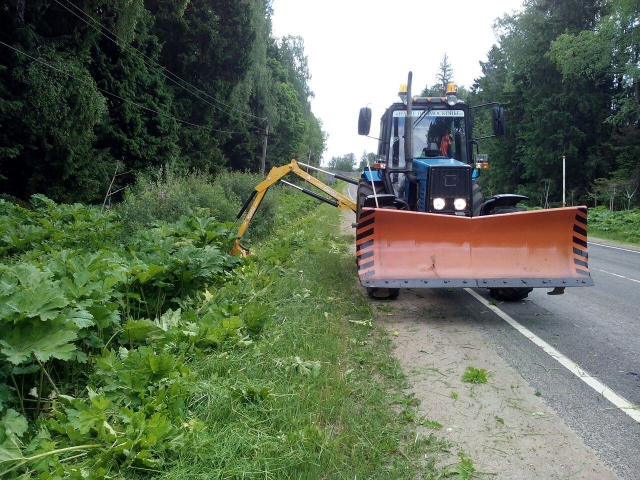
[[276, 174]]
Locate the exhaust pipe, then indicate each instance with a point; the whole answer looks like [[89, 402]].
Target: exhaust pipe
[[408, 129]]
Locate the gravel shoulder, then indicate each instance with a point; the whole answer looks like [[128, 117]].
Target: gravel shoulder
[[507, 430]]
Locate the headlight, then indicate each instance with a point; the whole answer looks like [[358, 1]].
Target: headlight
[[459, 204], [438, 203]]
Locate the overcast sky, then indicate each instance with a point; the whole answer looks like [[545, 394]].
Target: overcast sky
[[360, 51]]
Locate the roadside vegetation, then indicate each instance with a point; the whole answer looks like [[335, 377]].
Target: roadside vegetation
[[622, 226], [132, 347]]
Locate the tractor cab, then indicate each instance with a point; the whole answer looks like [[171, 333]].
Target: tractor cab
[[438, 131], [436, 175]]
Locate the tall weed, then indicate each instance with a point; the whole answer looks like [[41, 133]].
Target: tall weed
[[48, 225], [167, 196], [623, 226], [240, 185], [93, 342]]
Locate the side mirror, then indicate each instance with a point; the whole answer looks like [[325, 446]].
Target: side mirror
[[364, 121], [498, 121]]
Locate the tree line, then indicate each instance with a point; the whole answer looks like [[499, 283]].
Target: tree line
[[94, 91], [568, 74]]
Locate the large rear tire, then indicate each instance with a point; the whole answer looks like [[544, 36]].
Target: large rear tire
[[510, 294], [364, 190], [376, 293]]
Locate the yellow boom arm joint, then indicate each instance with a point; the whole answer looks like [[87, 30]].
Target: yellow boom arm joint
[[276, 174]]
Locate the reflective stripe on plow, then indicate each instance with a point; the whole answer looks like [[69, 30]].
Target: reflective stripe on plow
[[365, 252], [580, 251]]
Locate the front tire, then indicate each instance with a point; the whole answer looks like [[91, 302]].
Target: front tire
[[364, 190], [510, 294], [476, 198], [507, 294], [376, 293]]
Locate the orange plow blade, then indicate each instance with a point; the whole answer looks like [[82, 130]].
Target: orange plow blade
[[542, 248]]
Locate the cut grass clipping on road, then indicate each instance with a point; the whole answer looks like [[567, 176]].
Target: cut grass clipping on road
[[315, 395]]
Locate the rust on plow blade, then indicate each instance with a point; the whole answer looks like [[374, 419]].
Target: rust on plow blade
[[542, 248]]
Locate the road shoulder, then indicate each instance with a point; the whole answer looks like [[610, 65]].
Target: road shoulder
[[503, 426]]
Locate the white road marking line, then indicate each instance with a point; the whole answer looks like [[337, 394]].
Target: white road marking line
[[615, 248], [349, 192], [621, 403], [616, 275]]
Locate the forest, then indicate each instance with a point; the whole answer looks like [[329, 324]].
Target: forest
[[567, 73], [95, 91]]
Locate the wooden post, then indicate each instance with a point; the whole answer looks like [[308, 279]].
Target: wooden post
[[264, 151]]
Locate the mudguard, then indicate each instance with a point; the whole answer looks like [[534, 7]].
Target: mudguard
[[542, 248]]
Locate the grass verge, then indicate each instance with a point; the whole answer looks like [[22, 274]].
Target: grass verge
[[315, 395], [623, 226]]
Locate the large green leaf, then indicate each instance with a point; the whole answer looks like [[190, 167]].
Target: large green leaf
[[104, 315], [44, 300], [12, 423], [6, 289], [29, 275], [145, 274], [139, 330], [10, 451], [42, 340], [80, 317]]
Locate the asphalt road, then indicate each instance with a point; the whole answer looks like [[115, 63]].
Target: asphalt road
[[598, 328]]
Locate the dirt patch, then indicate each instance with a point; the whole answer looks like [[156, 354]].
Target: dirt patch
[[503, 426]]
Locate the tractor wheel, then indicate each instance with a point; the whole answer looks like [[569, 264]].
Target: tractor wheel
[[393, 293], [383, 293], [499, 210], [509, 294]]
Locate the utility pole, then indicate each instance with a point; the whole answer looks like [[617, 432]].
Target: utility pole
[[264, 151]]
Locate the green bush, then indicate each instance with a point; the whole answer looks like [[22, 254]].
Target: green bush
[[48, 225], [101, 334], [622, 226], [167, 196]]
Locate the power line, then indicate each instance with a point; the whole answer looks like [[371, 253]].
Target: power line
[[154, 65], [113, 94]]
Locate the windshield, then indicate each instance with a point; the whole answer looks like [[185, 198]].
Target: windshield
[[436, 133]]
